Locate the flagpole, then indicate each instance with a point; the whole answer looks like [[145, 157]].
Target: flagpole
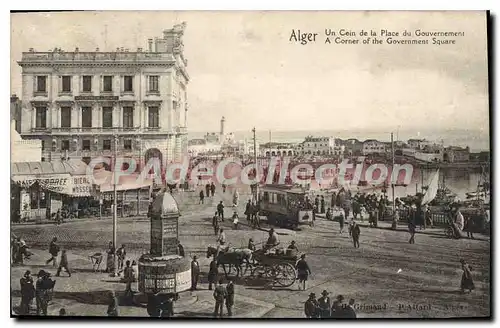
[[394, 222]]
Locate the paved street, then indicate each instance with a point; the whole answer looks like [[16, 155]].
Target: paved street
[[427, 286]]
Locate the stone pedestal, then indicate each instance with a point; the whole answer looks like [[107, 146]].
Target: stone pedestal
[[163, 271]]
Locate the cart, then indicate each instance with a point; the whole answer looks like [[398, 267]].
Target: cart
[[277, 268]]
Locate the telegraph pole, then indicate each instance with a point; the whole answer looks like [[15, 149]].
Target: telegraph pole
[[115, 218], [394, 222], [255, 161]]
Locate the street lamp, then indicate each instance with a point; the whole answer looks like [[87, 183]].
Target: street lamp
[[115, 218]]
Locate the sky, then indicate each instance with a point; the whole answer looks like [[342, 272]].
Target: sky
[[243, 66]]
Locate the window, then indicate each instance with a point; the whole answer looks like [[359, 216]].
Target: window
[[106, 144], [153, 117], [128, 117], [86, 117], [65, 117], [107, 84], [43, 159], [107, 117], [66, 83], [127, 144], [41, 117], [43, 145], [87, 83], [128, 82], [41, 84], [65, 145], [153, 83], [85, 144]]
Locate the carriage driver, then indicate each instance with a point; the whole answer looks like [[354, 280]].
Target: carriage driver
[[272, 241]]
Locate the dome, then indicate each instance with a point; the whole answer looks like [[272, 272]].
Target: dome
[[164, 205]]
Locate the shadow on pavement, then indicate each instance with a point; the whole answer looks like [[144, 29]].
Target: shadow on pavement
[[190, 314]]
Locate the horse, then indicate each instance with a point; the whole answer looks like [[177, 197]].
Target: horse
[[231, 256]]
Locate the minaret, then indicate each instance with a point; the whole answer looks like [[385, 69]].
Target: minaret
[[222, 121]]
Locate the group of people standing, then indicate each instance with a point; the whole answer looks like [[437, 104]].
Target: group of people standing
[[325, 308], [41, 290]]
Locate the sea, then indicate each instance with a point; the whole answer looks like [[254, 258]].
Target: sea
[[458, 181]]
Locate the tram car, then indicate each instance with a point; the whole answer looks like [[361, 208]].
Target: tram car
[[286, 206]]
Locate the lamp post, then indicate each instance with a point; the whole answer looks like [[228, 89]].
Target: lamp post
[[394, 222], [256, 170], [115, 218]]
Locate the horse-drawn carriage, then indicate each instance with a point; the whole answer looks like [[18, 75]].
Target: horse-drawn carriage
[[277, 267]]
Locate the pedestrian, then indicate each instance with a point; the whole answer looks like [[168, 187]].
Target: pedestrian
[[338, 307], [333, 200], [44, 286], [235, 220], [341, 222], [220, 210], [316, 202], [220, 295], [248, 210], [329, 214], [230, 298], [221, 239], [212, 188], [303, 271], [467, 281], [355, 232], [469, 227], [112, 304], [54, 252], [63, 264], [322, 204], [180, 250], [349, 312], [311, 307], [62, 312], [195, 272], [121, 253], [110, 258], [236, 197], [154, 305], [213, 273], [167, 307], [135, 270], [255, 215], [27, 292], [202, 197], [207, 190], [224, 187], [411, 229], [251, 245], [324, 304], [215, 223], [128, 276], [199, 180]]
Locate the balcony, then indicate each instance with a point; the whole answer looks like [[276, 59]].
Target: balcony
[[97, 57]]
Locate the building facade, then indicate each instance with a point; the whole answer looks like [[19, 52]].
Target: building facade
[[83, 105], [373, 147], [320, 146], [455, 154]]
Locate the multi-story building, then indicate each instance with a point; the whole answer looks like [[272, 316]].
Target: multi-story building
[[320, 146], [89, 104], [372, 146], [418, 144]]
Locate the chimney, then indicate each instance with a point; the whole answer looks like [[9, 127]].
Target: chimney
[[150, 45], [139, 49], [97, 49], [76, 49], [117, 49], [31, 50]]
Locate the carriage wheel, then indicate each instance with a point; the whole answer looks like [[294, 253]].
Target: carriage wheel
[[261, 271], [285, 274]]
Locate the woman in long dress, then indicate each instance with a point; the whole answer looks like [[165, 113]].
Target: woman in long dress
[[467, 282], [110, 260]]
